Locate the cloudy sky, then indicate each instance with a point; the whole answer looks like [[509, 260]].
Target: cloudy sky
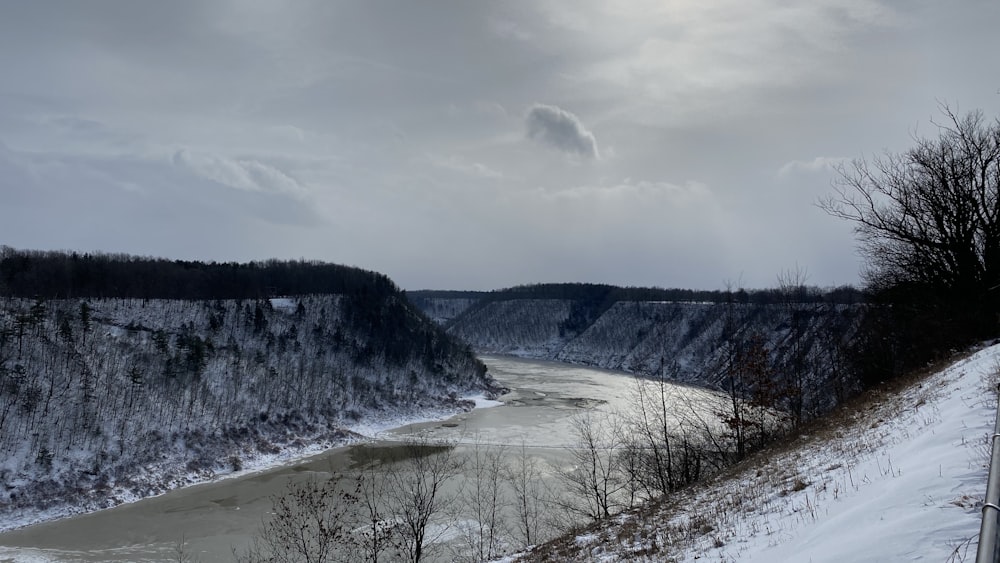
[[472, 145]]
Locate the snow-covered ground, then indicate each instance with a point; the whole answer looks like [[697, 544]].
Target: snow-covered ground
[[903, 481]]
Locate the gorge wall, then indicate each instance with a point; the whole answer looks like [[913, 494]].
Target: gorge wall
[[692, 342]]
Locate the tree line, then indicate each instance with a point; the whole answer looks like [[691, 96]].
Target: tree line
[[602, 295], [71, 275]]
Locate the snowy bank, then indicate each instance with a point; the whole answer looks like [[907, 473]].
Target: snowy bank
[[902, 480]]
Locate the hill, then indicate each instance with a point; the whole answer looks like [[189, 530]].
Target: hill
[[682, 335], [898, 475], [121, 377]]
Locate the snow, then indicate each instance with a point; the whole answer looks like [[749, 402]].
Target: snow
[[904, 481], [482, 402], [377, 426], [917, 496], [284, 304]]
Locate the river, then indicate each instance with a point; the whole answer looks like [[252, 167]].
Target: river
[[211, 518]]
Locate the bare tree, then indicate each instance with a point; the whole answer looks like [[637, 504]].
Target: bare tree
[[181, 552], [766, 393], [594, 483], [524, 476], [745, 370], [670, 438], [651, 430], [374, 536], [793, 379], [930, 217], [484, 499], [307, 525], [415, 494]]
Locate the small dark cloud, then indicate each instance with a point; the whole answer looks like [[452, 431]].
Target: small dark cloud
[[561, 129]]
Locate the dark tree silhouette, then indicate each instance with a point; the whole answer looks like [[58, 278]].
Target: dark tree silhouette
[[928, 225]]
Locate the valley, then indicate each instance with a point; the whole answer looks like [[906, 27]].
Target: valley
[[535, 419]]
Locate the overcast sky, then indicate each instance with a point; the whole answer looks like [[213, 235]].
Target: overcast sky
[[472, 145]]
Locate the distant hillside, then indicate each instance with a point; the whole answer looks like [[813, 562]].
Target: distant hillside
[[170, 368], [679, 334], [443, 306]]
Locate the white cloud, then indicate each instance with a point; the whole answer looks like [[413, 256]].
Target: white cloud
[[457, 164], [556, 127], [666, 193], [818, 164], [509, 29], [242, 174], [696, 62]]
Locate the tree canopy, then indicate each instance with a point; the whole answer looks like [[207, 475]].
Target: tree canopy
[[56, 274]]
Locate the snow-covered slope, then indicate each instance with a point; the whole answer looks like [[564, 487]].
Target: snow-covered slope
[[902, 481], [105, 400], [682, 341], [442, 309], [646, 337]]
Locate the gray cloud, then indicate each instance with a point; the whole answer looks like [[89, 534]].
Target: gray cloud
[[818, 164], [456, 164], [242, 174], [385, 134], [556, 127]]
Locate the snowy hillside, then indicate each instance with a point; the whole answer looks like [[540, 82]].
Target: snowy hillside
[[682, 341], [442, 309], [103, 400], [901, 479]]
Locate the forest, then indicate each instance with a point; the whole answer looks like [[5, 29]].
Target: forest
[[68, 275]]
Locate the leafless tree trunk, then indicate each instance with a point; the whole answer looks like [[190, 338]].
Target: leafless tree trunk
[[373, 538], [736, 384], [793, 290], [594, 483], [651, 433], [309, 524], [415, 494], [530, 496], [484, 499]]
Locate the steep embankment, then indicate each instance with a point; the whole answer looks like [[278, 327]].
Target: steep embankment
[[108, 399], [443, 306], [684, 341], [898, 477]]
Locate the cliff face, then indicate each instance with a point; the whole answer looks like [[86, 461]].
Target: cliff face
[[96, 394], [690, 342], [442, 309]]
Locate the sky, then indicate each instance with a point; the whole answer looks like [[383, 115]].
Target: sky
[[473, 145]]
